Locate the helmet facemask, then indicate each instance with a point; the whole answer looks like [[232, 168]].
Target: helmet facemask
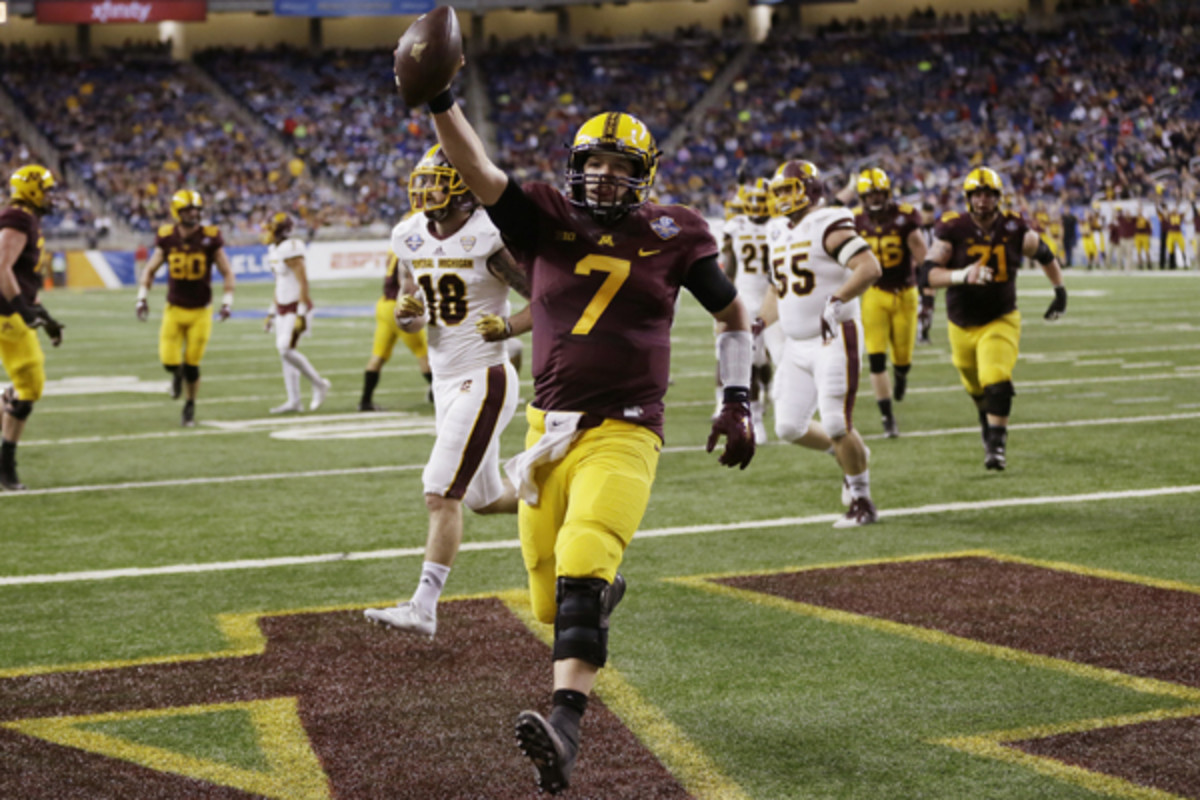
[[598, 179], [32, 186], [436, 189]]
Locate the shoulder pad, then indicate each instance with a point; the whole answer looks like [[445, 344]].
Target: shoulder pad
[[212, 230], [906, 208], [165, 230], [950, 216], [857, 210]]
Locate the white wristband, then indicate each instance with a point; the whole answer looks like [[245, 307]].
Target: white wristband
[[735, 351], [142, 292], [959, 275], [302, 310], [227, 299]]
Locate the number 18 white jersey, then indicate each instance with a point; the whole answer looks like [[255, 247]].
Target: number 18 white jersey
[[807, 274], [458, 288]]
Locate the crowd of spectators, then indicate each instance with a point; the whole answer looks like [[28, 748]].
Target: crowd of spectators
[[1066, 113], [72, 213], [138, 126]]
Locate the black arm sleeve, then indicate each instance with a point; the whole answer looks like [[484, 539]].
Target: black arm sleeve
[[516, 217], [708, 282]]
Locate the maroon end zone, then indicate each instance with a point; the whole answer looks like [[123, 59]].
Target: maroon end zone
[[388, 715], [1131, 628]]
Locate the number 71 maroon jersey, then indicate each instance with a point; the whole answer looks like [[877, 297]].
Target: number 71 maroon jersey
[[604, 302]]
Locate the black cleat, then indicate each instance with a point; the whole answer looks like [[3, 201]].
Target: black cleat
[[890, 429], [188, 418], [369, 407], [551, 751], [994, 459], [899, 386], [177, 384], [9, 481]]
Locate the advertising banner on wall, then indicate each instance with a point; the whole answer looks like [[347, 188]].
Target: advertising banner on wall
[[351, 8], [100, 12]]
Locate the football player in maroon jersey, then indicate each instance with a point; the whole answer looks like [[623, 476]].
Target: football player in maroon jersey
[[606, 266], [189, 250], [20, 312], [976, 256]]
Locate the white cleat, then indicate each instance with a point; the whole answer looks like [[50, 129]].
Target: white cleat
[[320, 390], [406, 616], [288, 408]]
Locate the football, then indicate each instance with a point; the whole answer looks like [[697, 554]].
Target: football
[[428, 56]]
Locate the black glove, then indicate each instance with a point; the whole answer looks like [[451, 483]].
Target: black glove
[[1058, 306], [25, 309], [735, 424], [53, 327]]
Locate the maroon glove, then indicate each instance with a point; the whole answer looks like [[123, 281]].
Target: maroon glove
[[735, 425]]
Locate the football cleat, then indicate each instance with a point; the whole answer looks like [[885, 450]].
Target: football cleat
[[320, 390], [995, 458], [9, 481], [552, 752], [406, 616], [890, 429], [288, 408], [188, 417], [861, 512], [369, 407]]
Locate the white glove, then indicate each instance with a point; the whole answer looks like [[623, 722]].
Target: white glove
[[834, 314], [977, 273]]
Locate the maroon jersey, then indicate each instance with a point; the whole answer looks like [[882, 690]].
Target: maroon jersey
[[1172, 222], [391, 281], [968, 306], [26, 266], [887, 234], [189, 263], [603, 302]]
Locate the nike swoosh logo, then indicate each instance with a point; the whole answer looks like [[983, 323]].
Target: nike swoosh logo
[[644, 253]]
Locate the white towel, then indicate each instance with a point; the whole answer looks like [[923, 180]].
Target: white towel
[[561, 429]]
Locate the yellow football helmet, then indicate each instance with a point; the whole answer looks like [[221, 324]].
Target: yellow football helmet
[[30, 185], [874, 188], [736, 204], [795, 186], [756, 199], [623, 135], [435, 173], [183, 200], [983, 181]]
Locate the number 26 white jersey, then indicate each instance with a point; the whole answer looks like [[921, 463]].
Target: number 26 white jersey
[[806, 273], [457, 287]]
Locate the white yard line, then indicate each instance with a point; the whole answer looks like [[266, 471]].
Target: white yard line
[[653, 533]]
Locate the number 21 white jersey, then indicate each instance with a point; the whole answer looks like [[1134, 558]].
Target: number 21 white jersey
[[808, 274], [457, 287], [753, 255]]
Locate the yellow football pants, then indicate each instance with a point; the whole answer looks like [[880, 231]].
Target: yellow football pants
[[985, 355], [590, 504], [23, 359], [890, 320], [180, 326]]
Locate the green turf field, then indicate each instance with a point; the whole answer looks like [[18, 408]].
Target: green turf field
[[136, 533]]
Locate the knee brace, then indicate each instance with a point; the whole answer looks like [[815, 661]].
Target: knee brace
[[18, 409], [580, 628], [191, 373], [997, 398], [878, 362]]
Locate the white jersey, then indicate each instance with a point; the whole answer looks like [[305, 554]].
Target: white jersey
[[812, 275], [287, 285], [458, 289], [752, 254]]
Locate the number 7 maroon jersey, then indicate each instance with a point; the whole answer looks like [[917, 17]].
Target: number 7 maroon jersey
[[604, 302]]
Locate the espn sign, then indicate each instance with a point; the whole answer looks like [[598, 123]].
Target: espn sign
[[100, 12]]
